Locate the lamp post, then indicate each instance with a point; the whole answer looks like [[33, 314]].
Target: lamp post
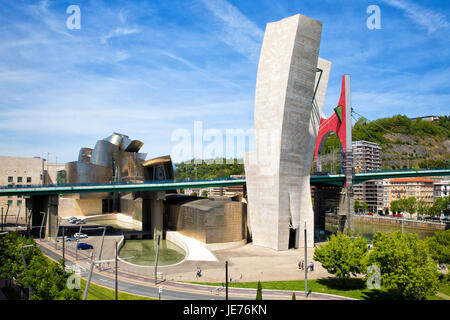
[[101, 248], [226, 280], [25, 264], [156, 260], [116, 283], [306, 263]]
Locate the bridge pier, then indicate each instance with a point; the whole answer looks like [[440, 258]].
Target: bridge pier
[[49, 205], [152, 212], [346, 205]]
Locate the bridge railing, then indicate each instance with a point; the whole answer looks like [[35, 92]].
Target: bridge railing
[[28, 186]]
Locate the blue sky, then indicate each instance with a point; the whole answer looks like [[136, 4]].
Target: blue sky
[[147, 68]]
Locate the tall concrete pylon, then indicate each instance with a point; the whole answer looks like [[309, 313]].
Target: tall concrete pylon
[[288, 107]]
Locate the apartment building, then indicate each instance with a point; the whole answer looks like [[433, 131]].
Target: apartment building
[[403, 188], [441, 189], [18, 171], [21, 171], [367, 157]]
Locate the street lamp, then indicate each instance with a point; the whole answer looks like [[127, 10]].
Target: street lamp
[[25, 264], [306, 263]]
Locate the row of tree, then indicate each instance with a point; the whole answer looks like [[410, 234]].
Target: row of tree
[[208, 169], [360, 206], [47, 279], [412, 206], [406, 266]]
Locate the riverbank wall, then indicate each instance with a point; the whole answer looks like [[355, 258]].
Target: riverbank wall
[[334, 223], [389, 221]]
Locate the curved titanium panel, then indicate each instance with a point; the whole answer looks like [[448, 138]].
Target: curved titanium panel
[[134, 146], [120, 140], [85, 155], [102, 153]]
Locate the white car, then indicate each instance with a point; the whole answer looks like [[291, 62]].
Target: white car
[[80, 235]]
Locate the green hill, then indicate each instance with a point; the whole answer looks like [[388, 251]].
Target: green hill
[[406, 143]]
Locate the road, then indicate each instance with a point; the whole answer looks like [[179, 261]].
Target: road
[[136, 284], [134, 288]]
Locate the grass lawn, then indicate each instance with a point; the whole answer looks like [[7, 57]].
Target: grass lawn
[[356, 288], [97, 292], [443, 289]]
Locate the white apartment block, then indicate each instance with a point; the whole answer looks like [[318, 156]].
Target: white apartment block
[[367, 157]]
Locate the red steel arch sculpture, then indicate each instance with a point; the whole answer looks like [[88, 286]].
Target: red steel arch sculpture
[[340, 123]]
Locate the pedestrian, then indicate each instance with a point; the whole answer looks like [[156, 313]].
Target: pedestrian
[[199, 272], [311, 266], [299, 264], [303, 264]]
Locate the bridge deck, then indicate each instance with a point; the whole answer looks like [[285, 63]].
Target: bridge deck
[[336, 179]]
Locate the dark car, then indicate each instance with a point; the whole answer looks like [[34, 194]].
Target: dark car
[[84, 246]]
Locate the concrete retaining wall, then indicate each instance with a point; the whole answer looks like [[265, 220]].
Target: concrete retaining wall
[[398, 222]]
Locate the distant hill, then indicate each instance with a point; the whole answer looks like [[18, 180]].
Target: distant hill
[[406, 143]]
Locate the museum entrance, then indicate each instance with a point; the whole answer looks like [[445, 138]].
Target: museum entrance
[[292, 237]]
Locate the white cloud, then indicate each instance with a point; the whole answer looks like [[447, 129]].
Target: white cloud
[[238, 31], [119, 31], [427, 18]]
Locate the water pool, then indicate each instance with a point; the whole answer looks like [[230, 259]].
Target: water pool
[[144, 252]]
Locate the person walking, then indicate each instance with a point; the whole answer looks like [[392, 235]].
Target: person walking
[[303, 264], [311, 266], [299, 264], [199, 272]]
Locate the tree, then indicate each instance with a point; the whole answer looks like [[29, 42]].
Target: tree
[[48, 280], [205, 193], [411, 205], [422, 207], [405, 264], [439, 246], [194, 194], [342, 256], [356, 206], [439, 206], [395, 206], [259, 291], [293, 296], [11, 263], [364, 206]]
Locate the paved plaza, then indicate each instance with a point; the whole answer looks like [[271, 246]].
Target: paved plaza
[[246, 264]]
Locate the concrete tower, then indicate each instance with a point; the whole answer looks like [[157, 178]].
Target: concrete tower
[[287, 121]]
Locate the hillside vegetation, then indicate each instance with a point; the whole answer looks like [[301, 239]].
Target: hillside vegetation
[[406, 143]]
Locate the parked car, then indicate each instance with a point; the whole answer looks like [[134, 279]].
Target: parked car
[[84, 246], [370, 213], [419, 218], [71, 239], [80, 235]]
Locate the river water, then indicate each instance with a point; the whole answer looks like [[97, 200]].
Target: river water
[[368, 230]]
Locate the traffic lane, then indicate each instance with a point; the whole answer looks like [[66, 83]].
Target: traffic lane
[[133, 288]]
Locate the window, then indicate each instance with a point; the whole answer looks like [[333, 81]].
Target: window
[[19, 203], [28, 179], [19, 179], [9, 202], [41, 177], [10, 179]]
